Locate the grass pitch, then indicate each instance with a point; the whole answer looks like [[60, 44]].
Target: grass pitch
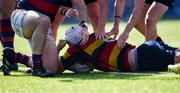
[[98, 82]]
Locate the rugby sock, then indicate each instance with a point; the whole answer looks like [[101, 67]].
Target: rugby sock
[[7, 33], [37, 60], [158, 39], [16, 57], [22, 59]]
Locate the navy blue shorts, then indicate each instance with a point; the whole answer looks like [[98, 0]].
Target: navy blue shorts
[[68, 3], [168, 3], [152, 56]]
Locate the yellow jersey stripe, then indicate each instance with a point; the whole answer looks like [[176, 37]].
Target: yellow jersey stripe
[[113, 59], [90, 49], [66, 55]]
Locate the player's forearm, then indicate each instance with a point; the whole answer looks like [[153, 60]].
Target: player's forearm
[[104, 8], [81, 9], [119, 10], [135, 16]]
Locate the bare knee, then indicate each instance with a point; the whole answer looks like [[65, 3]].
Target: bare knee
[[35, 22], [44, 21], [39, 20]]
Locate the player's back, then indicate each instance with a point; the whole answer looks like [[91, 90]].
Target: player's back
[[47, 7]]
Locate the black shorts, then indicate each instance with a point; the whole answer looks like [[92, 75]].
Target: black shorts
[[68, 3], [168, 3], [152, 56]]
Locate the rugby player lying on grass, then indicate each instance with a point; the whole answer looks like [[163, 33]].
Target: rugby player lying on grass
[[106, 56]]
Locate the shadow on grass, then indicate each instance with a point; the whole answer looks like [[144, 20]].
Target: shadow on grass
[[21, 75], [18, 73], [69, 77], [97, 75]]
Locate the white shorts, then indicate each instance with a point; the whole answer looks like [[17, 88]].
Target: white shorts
[[17, 20]]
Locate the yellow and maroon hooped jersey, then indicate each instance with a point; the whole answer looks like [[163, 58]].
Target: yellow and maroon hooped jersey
[[104, 55]]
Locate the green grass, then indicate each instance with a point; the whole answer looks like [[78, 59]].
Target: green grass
[[97, 82]]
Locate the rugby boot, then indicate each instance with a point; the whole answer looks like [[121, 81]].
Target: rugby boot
[[8, 57], [41, 72]]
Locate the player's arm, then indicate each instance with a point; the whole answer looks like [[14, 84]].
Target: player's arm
[[82, 12], [81, 8], [72, 63], [119, 10], [135, 16], [133, 20]]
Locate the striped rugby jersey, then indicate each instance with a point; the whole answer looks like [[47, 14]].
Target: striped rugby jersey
[[104, 55], [47, 7]]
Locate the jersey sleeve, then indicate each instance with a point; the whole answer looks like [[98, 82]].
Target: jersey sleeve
[[70, 56]]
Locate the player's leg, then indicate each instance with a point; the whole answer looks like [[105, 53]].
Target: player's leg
[[156, 11], [6, 32], [51, 61], [34, 27], [50, 56], [37, 32], [6, 9], [93, 12], [141, 24]]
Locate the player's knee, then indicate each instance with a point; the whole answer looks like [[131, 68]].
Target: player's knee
[[44, 21], [39, 20]]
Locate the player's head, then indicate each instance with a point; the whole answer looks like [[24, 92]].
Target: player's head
[[73, 35]]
